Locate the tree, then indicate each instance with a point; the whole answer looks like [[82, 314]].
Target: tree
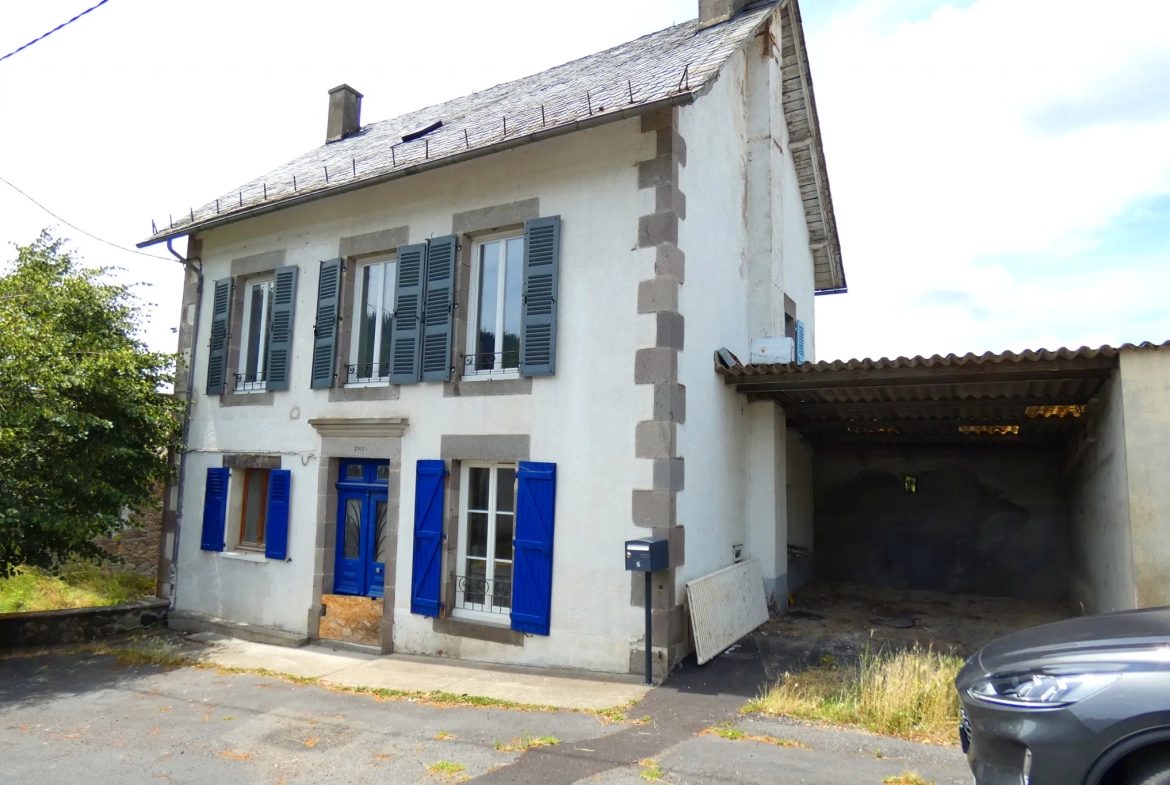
[[84, 422]]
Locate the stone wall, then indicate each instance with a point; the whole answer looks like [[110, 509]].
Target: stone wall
[[76, 625], [137, 545]]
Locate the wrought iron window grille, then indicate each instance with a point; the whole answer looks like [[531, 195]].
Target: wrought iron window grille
[[246, 382], [480, 594], [485, 363], [367, 372]]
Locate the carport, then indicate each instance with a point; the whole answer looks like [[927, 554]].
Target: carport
[[998, 474]]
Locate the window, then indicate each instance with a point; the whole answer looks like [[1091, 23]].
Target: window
[[253, 508], [256, 336], [483, 580], [493, 340], [373, 306]]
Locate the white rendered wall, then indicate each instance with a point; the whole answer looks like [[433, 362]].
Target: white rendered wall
[[582, 419]]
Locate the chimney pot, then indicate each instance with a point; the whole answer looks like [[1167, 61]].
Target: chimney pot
[[345, 113], [712, 12]]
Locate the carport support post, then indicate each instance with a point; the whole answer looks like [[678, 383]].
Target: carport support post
[[767, 499], [649, 632]]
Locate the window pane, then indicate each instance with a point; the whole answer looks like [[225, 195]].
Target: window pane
[[387, 313], [353, 471], [368, 316], [351, 548], [502, 586], [381, 541], [255, 317], [255, 497], [513, 285], [477, 491], [505, 489], [477, 534], [474, 583], [384, 474], [489, 281], [503, 537]]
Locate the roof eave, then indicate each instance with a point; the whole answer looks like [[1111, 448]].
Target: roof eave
[[625, 113]]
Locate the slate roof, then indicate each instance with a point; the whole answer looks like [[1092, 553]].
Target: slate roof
[[671, 66]]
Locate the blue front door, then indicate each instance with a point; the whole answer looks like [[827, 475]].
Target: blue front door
[[363, 528]]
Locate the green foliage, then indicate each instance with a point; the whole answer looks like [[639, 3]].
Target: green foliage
[[78, 586], [84, 425]]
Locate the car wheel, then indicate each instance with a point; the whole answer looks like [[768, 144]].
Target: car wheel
[[1152, 771]]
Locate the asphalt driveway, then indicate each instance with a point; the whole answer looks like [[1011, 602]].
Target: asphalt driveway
[[86, 718]]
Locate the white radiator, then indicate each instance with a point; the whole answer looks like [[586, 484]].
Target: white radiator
[[725, 606]]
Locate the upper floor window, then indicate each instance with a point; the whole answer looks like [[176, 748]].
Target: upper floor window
[[373, 306], [493, 340], [256, 336]]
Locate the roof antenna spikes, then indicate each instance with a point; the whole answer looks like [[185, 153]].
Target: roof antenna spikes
[[192, 209], [241, 198], [589, 102], [326, 173], [542, 120], [153, 228], [427, 148], [393, 162], [171, 220], [466, 139], [354, 161], [265, 191], [630, 84], [217, 207], [505, 126], [294, 183]]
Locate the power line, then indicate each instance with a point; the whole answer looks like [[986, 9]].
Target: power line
[[78, 228], [55, 29]]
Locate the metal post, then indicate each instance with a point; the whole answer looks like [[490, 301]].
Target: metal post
[[649, 642]]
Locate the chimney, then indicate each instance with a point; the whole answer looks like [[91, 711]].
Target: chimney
[[712, 12], [345, 113]]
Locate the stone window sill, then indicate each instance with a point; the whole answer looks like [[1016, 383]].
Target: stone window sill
[[252, 556]]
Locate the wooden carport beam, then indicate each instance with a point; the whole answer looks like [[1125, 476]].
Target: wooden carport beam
[[935, 425], [948, 403], [916, 377]]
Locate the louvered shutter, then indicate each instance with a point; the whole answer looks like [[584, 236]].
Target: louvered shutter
[[220, 323], [799, 341], [438, 309], [536, 495], [325, 330], [276, 520], [426, 573], [408, 307], [538, 316], [284, 301], [215, 509]]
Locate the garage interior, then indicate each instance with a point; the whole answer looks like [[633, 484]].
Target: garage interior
[[953, 477]]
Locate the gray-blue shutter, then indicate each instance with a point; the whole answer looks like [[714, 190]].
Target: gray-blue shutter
[[221, 306], [799, 342], [408, 309], [280, 335], [325, 330], [438, 309], [538, 316]]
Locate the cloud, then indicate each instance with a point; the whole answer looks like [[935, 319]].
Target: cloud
[[942, 182], [1137, 93]]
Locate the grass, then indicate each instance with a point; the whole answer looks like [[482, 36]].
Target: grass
[[444, 736], [651, 771], [909, 694], [725, 731], [77, 586], [527, 742], [907, 778], [446, 768]]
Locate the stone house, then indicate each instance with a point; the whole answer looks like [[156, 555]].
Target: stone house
[[443, 366]]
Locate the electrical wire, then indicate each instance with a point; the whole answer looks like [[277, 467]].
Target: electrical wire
[[55, 29], [78, 228]]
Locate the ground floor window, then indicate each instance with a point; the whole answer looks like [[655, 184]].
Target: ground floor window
[[483, 580], [253, 507]]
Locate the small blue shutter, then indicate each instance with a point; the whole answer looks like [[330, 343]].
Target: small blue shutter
[[536, 495], [215, 509], [280, 336], [439, 309], [276, 526], [325, 330], [408, 309], [538, 314], [426, 577], [799, 341]]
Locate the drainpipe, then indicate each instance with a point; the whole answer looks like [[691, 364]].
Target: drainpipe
[[186, 429]]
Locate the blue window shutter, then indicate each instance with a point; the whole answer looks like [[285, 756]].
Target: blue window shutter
[[276, 525], [536, 495], [325, 330], [221, 304], [799, 341], [215, 509], [408, 307], [280, 336], [538, 314], [426, 575], [438, 310]]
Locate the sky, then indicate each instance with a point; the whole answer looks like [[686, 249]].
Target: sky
[[1000, 169]]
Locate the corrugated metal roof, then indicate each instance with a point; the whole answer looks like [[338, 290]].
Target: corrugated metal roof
[[672, 66]]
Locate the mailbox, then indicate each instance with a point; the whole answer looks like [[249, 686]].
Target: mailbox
[[649, 555]]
